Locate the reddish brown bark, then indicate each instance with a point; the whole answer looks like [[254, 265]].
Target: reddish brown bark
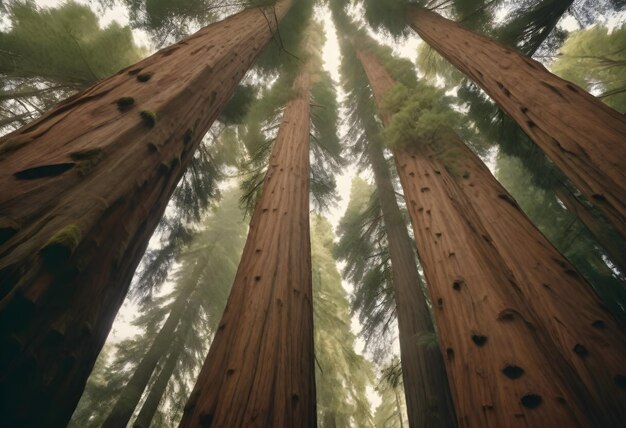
[[582, 329], [260, 368], [428, 399], [83, 187], [585, 138], [515, 356]]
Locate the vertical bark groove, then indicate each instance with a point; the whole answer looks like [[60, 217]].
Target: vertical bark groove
[[498, 318], [53, 322], [561, 298], [428, 398], [585, 138], [260, 368]]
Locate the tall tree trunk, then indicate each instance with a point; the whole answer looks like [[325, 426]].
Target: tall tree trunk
[[585, 138], [399, 405], [83, 188], [260, 371], [613, 245], [505, 360], [150, 406], [426, 389], [131, 394], [587, 336]]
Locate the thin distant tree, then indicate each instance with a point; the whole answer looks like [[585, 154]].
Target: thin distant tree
[[391, 411], [341, 375], [85, 186], [425, 383], [174, 325]]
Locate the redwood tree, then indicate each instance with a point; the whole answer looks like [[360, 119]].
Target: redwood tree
[[518, 341], [83, 188], [578, 132], [260, 367], [428, 399]]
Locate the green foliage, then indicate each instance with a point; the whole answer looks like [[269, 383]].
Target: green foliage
[[364, 125], [362, 246], [567, 234], [421, 115], [529, 25], [391, 412], [234, 112], [264, 120], [388, 15], [59, 248], [207, 265], [48, 54], [342, 375], [287, 48], [168, 21], [435, 67], [596, 60], [189, 202], [64, 45]]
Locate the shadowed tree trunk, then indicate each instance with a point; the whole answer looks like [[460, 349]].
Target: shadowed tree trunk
[[131, 394], [83, 188], [150, 406], [611, 243], [580, 134], [157, 390], [583, 330], [260, 369], [510, 363], [426, 389]]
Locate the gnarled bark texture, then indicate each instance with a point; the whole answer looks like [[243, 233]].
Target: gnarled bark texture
[[584, 332], [157, 390], [585, 138], [83, 188], [260, 367], [428, 399], [508, 356]]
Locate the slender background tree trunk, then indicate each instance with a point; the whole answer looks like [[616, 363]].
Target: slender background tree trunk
[[425, 382], [157, 390], [260, 367], [131, 394], [83, 188], [585, 138]]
